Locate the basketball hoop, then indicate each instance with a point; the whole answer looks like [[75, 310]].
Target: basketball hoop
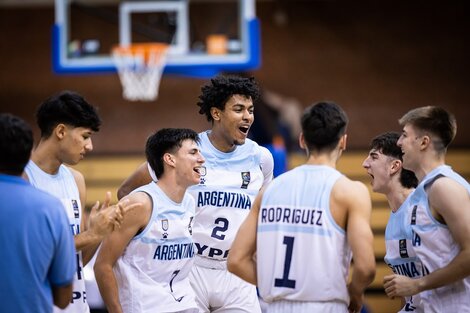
[[140, 68]]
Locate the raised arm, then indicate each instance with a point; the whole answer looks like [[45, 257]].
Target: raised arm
[[451, 201], [140, 177], [241, 260], [114, 245]]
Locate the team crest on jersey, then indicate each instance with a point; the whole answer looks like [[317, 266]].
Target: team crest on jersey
[[165, 226], [245, 180], [202, 172], [190, 228], [402, 247], [76, 209]]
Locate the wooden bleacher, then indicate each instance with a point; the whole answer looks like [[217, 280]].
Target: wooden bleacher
[[103, 173]]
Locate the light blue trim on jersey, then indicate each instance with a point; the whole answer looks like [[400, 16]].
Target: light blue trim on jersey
[[396, 261], [295, 229]]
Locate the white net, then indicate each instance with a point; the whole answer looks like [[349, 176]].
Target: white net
[[140, 68]]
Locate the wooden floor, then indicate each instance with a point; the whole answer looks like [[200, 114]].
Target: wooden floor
[[106, 173]]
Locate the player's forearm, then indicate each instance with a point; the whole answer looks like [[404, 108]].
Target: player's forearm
[[88, 252], [456, 270], [86, 239], [243, 268], [108, 287], [363, 275]]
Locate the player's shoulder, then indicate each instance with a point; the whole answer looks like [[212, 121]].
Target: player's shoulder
[[348, 188], [77, 175]]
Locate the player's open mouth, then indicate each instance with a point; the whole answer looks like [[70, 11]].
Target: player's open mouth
[[201, 170], [244, 129]]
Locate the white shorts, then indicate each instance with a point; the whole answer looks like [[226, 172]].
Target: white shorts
[[218, 290], [284, 306]]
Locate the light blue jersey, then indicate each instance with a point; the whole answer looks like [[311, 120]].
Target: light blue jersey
[[225, 194], [400, 256], [223, 199], [435, 247], [63, 186], [152, 273], [302, 254]]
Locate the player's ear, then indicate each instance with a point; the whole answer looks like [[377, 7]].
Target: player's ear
[[343, 142], [215, 113], [395, 166], [60, 131], [169, 159], [425, 142], [302, 144]]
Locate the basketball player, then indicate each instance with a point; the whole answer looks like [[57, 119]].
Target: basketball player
[[440, 216], [236, 168], [297, 242], [384, 165], [38, 256], [144, 266], [67, 122]]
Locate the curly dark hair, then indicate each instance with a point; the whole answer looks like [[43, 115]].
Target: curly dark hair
[[221, 88]]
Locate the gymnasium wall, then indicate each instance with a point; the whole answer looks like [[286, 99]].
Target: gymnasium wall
[[376, 59]]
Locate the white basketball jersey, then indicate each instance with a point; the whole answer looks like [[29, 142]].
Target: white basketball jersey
[[63, 186], [152, 273], [436, 248], [225, 194], [302, 254], [400, 256]]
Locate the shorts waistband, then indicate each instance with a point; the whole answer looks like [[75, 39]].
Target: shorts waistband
[[210, 263]]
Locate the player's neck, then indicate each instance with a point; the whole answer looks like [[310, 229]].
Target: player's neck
[[44, 156], [427, 164], [172, 190], [324, 158], [220, 142], [397, 196]]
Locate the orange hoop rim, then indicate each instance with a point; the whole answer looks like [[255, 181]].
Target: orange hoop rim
[[141, 48]]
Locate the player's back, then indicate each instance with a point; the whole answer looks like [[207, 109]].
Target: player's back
[[302, 253]]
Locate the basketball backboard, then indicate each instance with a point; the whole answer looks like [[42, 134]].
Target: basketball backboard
[[205, 36]]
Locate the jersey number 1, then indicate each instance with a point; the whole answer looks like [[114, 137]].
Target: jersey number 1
[[285, 281]]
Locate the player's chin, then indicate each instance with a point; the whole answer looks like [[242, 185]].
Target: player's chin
[[240, 141]]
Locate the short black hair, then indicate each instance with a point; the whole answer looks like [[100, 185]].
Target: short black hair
[[323, 124], [386, 143], [163, 141], [220, 88], [69, 108], [16, 142]]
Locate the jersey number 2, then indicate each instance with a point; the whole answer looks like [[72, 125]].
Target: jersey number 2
[[222, 226], [285, 281]]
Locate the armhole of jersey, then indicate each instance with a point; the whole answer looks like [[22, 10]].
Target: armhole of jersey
[[336, 177], [428, 207], [266, 164], [152, 173], [140, 234]]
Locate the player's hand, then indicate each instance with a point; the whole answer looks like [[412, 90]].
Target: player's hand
[[106, 218], [355, 300], [400, 286]]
